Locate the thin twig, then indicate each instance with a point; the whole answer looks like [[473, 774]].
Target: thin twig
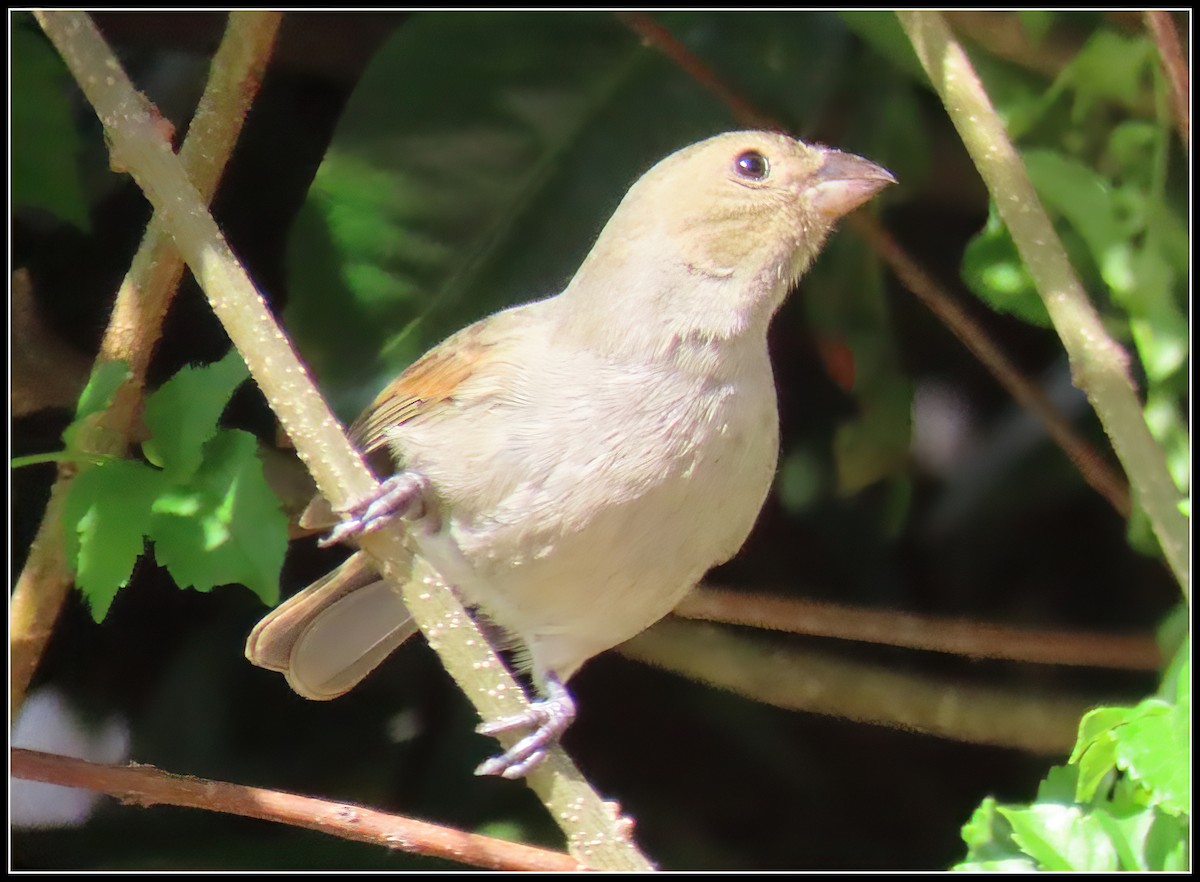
[[596, 834], [819, 682], [973, 639], [134, 330], [1099, 365], [1175, 66], [654, 34], [1094, 469], [145, 785]]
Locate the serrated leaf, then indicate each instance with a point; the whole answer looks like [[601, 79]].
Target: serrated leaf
[[45, 171], [101, 386], [106, 516], [1153, 748], [182, 414], [225, 525], [1061, 837]]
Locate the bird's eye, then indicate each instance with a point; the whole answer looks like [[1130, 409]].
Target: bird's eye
[[752, 166]]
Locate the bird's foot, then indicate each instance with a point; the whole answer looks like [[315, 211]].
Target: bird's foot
[[405, 494], [548, 718]]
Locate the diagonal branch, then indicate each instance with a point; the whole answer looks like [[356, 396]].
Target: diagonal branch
[[145, 785], [134, 330]]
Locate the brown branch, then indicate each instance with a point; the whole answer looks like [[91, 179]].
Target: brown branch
[[1093, 468], [1137, 652], [134, 330], [824, 683], [1175, 67], [654, 34], [147, 786]]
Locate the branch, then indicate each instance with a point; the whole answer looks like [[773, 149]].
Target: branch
[[134, 330], [1175, 67], [963, 637], [596, 835], [1093, 468], [146, 786], [1099, 365], [822, 683]]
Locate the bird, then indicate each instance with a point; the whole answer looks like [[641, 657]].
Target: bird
[[573, 466]]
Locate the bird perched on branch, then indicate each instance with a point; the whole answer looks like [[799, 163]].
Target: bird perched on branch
[[575, 465]]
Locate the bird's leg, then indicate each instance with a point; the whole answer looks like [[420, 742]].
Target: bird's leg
[[549, 718], [404, 494]]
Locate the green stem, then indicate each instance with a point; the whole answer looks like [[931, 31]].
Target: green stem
[[1099, 366]]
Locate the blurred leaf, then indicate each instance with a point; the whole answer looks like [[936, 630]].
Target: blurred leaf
[[224, 526], [44, 171], [182, 414], [1037, 23], [1111, 67], [995, 273], [882, 31]]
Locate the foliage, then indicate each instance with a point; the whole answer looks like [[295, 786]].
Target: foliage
[[201, 498], [1123, 802]]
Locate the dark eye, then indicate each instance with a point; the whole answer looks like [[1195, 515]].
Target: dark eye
[[752, 165]]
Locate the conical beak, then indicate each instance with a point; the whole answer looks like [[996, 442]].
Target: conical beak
[[844, 182]]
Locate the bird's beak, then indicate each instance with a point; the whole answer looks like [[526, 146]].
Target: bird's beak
[[844, 182]]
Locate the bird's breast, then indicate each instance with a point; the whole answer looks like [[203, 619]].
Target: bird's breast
[[581, 519]]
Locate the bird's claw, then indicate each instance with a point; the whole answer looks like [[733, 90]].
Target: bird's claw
[[404, 494], [548, 718]]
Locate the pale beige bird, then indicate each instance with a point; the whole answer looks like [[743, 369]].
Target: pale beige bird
[[575, 465]]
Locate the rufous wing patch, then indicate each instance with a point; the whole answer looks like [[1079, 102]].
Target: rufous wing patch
[[429, 381]]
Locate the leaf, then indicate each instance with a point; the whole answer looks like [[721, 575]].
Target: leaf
[[45, 171], [182, 414], [996, 274], [225, 525], [1061, 837], [106, 378], [105, 519], [1153, 747]]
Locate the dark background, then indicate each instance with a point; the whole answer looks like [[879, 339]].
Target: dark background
[[713, 780]]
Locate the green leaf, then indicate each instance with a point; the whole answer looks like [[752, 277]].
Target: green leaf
[[182, 414], [1061, 837], [1145, 839], [102, 385], [1111, 67], [1153, 748], [996, 274], [225, 525], [45, 172], [105, 517]]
